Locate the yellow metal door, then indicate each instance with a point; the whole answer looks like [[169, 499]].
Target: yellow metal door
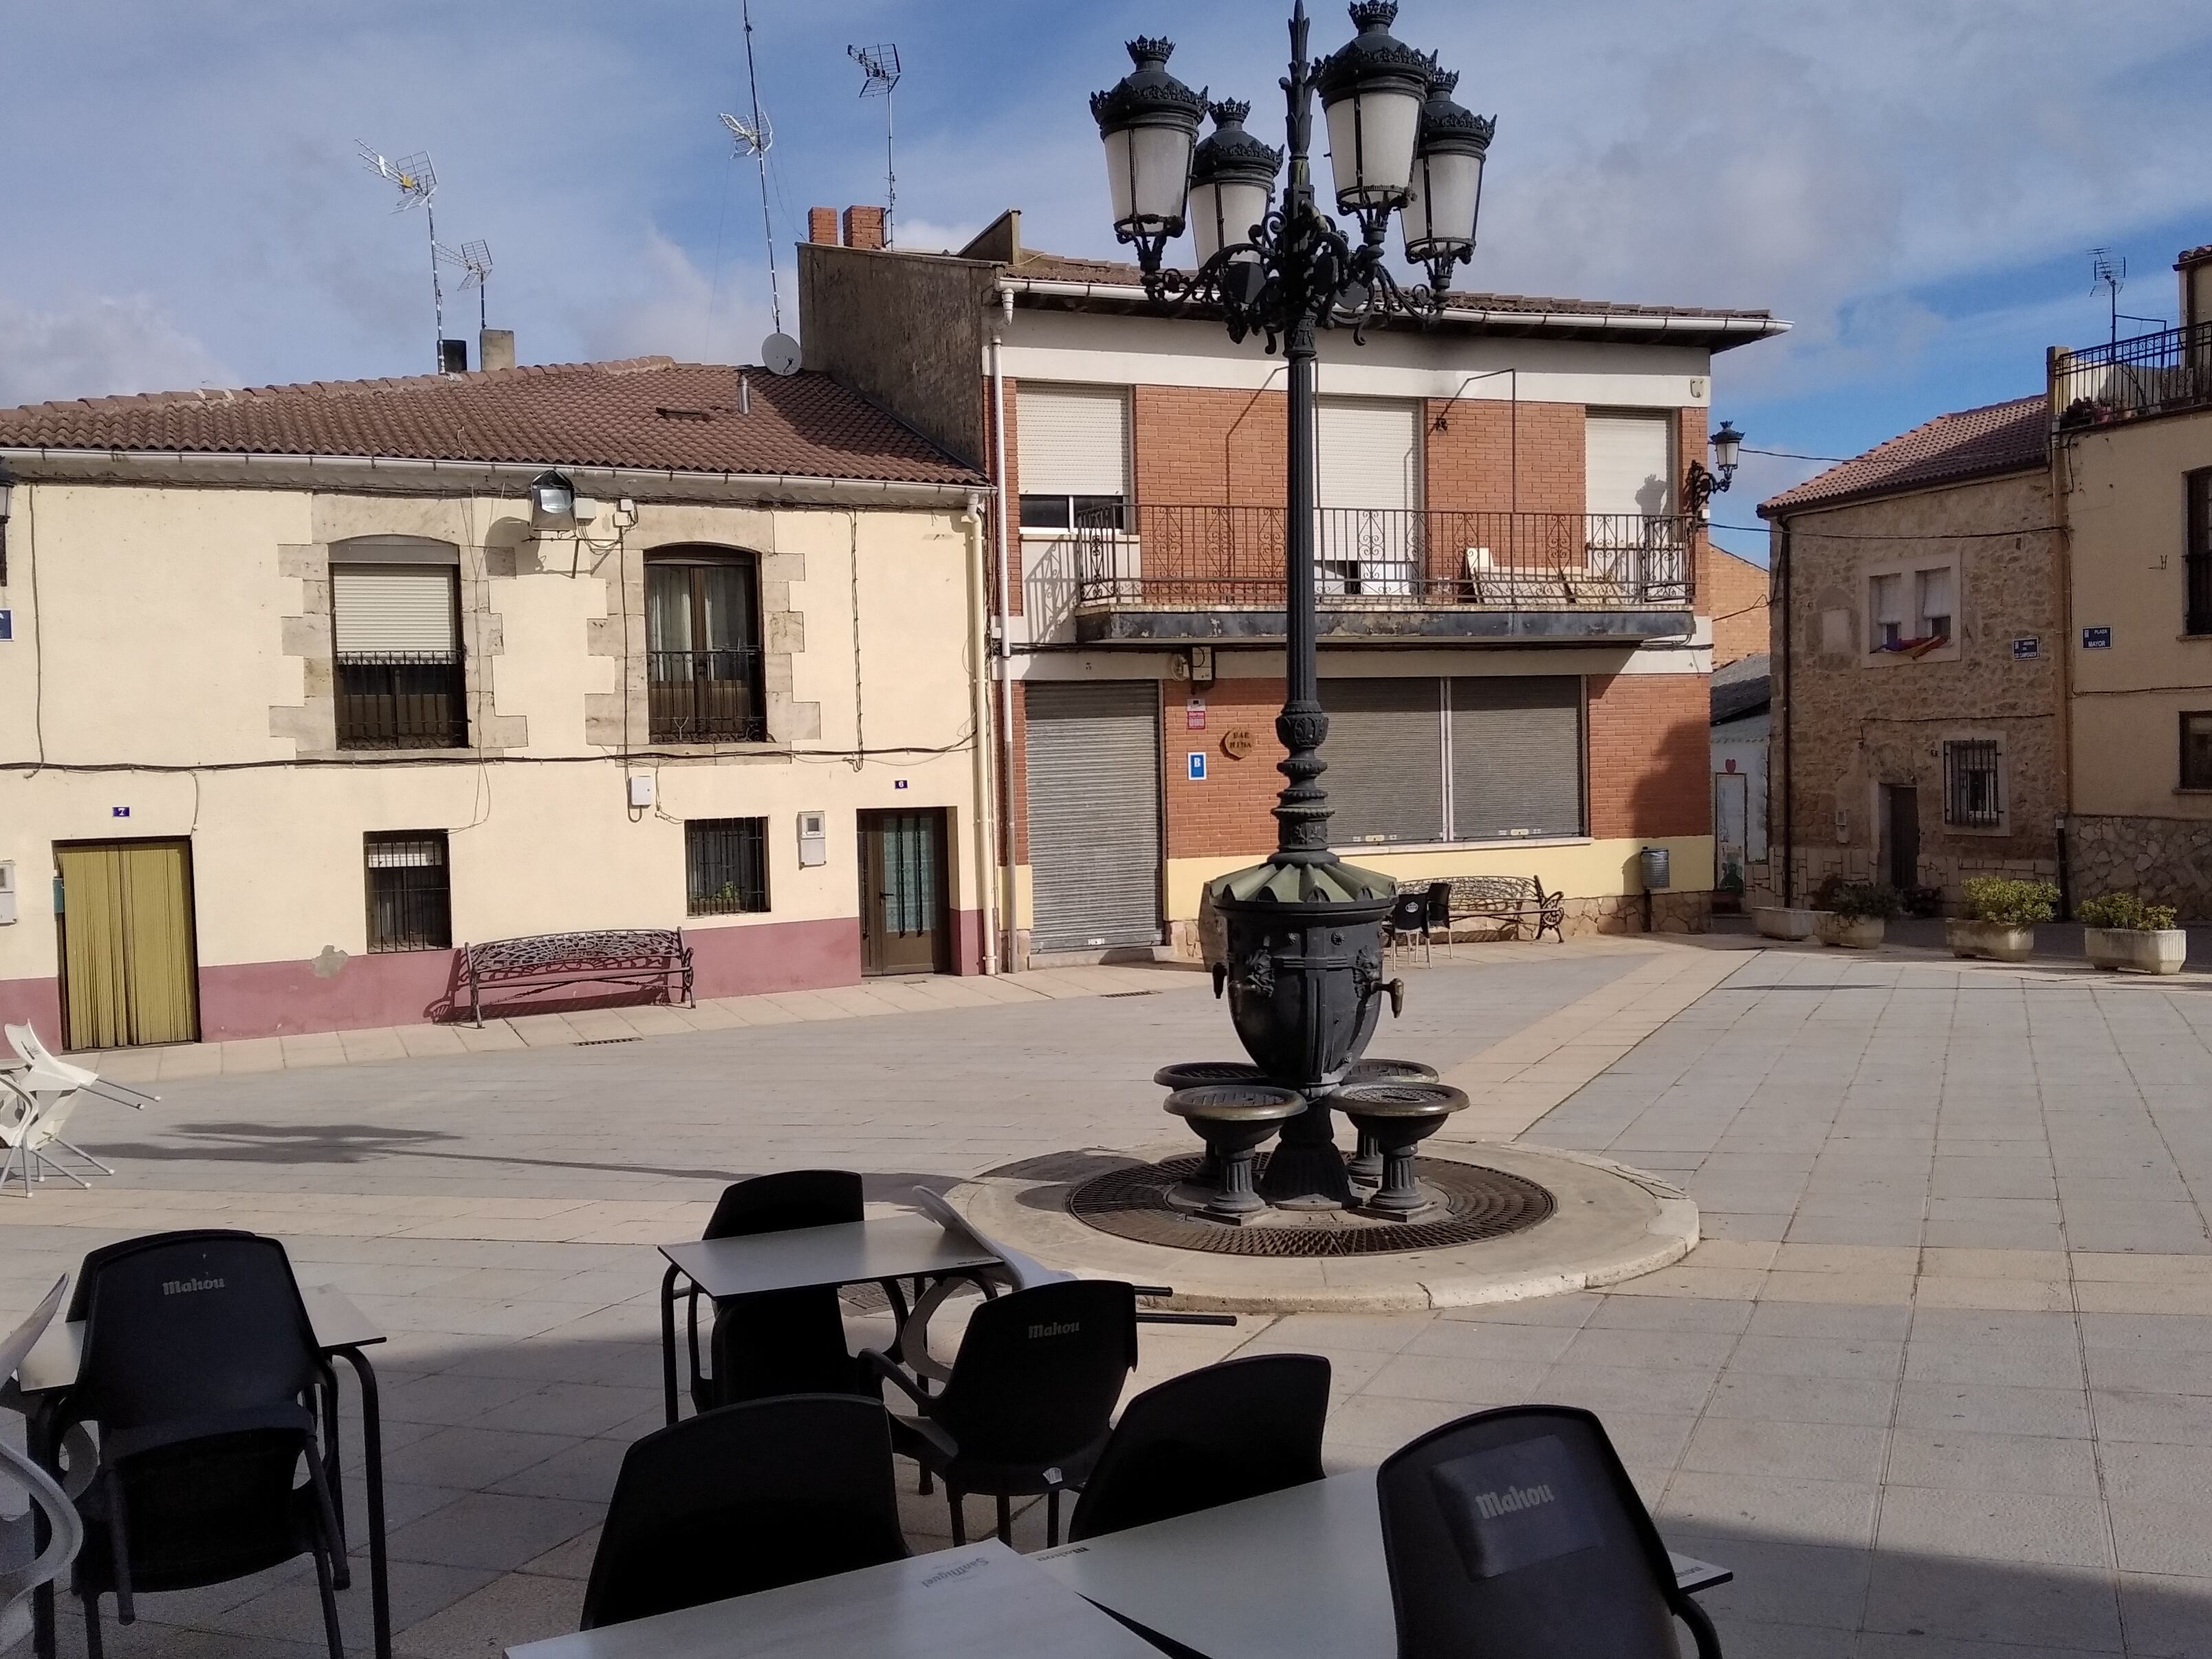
[[127, 955]]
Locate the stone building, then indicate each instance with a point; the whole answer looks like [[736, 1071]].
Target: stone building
[[1917, 662]]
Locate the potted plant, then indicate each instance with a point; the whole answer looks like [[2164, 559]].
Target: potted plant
[[1783, 922], [2119, 931], [2001, 916], [1854, 914]]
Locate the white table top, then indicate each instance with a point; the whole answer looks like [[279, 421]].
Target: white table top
[[338, 1324], [1296, 1571], [851, 1253], [980, 1602]]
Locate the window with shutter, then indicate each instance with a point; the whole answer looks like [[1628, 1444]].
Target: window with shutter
[[395, 635], [1074, 448], [1936, 607], [1516, 757], [1368, 484], [1885, 611], [1385, 755]]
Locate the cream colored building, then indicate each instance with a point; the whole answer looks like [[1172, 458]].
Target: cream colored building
[[301, 689]]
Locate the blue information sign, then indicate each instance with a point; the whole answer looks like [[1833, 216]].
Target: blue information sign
[[2096, 639], [1198, 766]]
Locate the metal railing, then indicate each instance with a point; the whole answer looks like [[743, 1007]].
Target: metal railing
[[1205, 557], [706, 696], [402, 700], [2151, 374]]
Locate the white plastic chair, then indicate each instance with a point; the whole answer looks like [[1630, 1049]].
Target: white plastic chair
[[65, 1528], [52, 1098], [19, 1111], [34, 1053]]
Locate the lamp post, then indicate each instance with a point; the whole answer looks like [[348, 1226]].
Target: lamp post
[[1699, 488], [1303, 968]]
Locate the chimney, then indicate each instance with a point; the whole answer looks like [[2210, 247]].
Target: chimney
[[864, 226], [2196, 268], [822, 225], [496, 349]]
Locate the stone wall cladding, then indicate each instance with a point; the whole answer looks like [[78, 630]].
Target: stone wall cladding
[[2167, 860], [1853, 728]]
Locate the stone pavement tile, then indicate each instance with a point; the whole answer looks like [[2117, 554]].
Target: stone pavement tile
[[2168, 1618], [582, 1469], [1750, 1225], [243, 1056], [2036, 1528], [2138, 1224], [1456, 1378], [1730, 1253], [1609, 1389], [1951, 1600], [1780, 1451], [1872, 1289], [2147, 1330], [446, 1398], [1725, 1284], [2194, 1301], [2044, 1265], [498, 1531], [497, 1036], [375, 1044], [1818, 1356], [1659, 1350], [2150, 1370], [2023, 1174], [1995, 1408], [403, 1500], [570, 1560], [1847, 1259], [2165, 1537], [2174, 1419], [1367, 1427], [1867, 1227], [1488, 1340], [545, 1031], [1652, 1440], [307, 1048], [573, 1408], [1650, 1313], [1770, 1640], [1792, 1509], [474, 1457], [1817, 1585], [512, 1608], [418, 1040], [1856, 1401], [189, 1060], [2034, 1365], [294, 1608], [1958, 1459], [2051, 1295], [1987, 1325]]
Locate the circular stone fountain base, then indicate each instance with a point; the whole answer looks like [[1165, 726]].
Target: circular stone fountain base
[[1606, 1222]]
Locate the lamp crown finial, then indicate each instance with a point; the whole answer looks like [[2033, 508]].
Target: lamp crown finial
[[1229, 111], [1373, 13], [1149, 48], [1443, 83]]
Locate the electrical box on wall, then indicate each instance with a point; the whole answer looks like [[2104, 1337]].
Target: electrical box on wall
[[641, 791], [7, 891], [813, 839]]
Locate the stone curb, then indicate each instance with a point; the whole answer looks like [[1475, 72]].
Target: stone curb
[[1613, 1223]]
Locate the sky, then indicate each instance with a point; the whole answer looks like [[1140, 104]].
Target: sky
[[1914, 184]]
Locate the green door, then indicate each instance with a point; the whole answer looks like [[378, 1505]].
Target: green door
[[902, 918], [129, 970]]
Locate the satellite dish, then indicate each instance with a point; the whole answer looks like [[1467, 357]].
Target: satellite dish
[[779, 354]]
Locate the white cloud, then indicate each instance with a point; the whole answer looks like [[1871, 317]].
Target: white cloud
[[91, 345]]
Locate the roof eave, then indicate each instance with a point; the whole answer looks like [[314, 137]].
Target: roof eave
[[1780, 507]]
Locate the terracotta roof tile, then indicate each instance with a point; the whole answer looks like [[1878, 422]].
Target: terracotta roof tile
[[1971, 443], [650, 413]]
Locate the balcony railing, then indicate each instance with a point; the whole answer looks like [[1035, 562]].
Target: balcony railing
[[2158, 373], [402, 700], [706, 696], [1183, 558]]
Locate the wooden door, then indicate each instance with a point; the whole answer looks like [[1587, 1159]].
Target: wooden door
[[130, 973], [903, 925], [1902, 802]]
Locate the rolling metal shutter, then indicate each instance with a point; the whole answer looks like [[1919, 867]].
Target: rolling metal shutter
[[380, 609], [1093, 754], [1516, 757], [1072, 440], [1628, 468], [1385, 755]]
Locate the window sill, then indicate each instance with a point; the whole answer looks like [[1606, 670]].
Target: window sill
[[1983, 829], [2187, 789], [691, 916], [708, 748], [403, 950]]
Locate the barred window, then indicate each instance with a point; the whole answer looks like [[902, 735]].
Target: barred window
[[409, 902], [1971, 799], [2196, 752], [726, 865]]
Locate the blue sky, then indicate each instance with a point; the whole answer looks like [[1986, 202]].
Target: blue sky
[[1914, 183]]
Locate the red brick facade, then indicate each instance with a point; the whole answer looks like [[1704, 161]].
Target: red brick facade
[[1650, 755], [1734, 596], [1229, 811]]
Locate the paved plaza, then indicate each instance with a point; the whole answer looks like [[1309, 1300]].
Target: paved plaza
[[1938, 1382]]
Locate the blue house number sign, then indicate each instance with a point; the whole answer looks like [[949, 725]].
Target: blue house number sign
[[1198, 766]]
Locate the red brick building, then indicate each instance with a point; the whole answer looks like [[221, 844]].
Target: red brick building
[[1515, 624]]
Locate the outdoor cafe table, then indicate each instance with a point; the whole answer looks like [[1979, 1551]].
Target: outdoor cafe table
[[1296, 1571], [342, 1330], [881, 1250], [981, 1603]]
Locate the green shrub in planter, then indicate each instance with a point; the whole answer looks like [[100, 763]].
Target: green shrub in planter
[[1861, 900], [2127, 911], [2010, 903]]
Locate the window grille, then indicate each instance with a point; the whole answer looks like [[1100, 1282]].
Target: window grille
[[1971, 799], [2196, 752], [726, 865], [704, 680], [410, 898]]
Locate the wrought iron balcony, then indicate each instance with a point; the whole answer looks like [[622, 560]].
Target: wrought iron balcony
[[2161, 373], [1207, 572], [402, 700], [706, 696]]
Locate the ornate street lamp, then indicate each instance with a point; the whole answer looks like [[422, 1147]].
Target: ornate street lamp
[[1304, 959], [1700, 486]]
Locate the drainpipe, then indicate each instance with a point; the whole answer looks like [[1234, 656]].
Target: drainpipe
[[1789, 713], [1006, 505], [979, 715]]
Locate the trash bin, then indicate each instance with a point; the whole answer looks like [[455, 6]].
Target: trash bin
[[1656, 875]]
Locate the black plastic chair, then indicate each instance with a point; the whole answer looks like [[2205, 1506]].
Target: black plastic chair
[[1438, 918], [781, 1342], [1213, 1435], [1409, 919], [745, 1498], [199, 1368], [1030, 1401], [1516, 1533]]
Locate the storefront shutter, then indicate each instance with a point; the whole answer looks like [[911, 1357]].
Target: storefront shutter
[[1517, 746], [1385, 755], [1093, 755], [379, 610], [1072, 440]]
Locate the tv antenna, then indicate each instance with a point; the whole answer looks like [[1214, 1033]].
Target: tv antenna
[[880, 64], [2109, 270], [474, 260], [753, 137], [418, 185]]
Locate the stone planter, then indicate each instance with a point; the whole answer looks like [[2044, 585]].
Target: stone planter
[[1852, 932], [1993, 941], [2136, 949], [1773, 921]]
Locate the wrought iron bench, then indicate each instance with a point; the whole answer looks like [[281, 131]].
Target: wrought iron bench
[[652, 957], [1512, 901]]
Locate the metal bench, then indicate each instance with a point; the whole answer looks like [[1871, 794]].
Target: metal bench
[[1512, 901], [652, 957]]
